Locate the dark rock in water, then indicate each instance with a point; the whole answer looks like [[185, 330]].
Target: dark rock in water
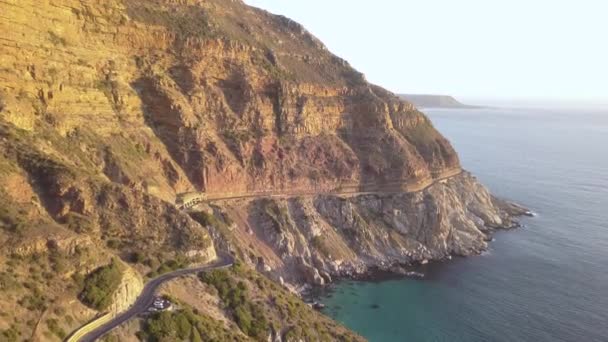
[[396, 269], [511, 208], [318, 306], [414, 274]]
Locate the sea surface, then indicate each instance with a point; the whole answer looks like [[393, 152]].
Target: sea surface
[[547, 281]]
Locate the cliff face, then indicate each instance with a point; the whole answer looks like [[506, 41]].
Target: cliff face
[[223, 98], [109, 110], [129, 289], [314, 239]]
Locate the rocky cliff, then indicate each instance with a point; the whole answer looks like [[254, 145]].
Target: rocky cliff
[[109, 110], [314, 239], [129, 289], [218, 96]]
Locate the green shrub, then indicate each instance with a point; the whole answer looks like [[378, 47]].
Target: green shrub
[[11, 219], [205, 219], [59, 263], [78, 279], [35, 300], [54, 327], [78, 223], [114, 244], [8, 282], [249, 316], [184, 22], [185, 325], [137, 257], [161, 326], [320, 245], [56, 39], [11, 334], [100, 285], [170, 266]]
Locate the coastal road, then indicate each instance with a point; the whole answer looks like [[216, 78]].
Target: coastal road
[[387, 188], [146, 297]]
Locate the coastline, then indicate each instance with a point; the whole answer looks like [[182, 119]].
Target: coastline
[[314, 294]]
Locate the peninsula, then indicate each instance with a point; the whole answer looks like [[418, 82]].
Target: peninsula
[[434, 101]]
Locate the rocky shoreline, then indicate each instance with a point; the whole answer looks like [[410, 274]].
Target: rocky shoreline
[[313, 293], [303, 242]]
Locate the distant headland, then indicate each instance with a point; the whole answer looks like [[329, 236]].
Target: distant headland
[[434, 101]]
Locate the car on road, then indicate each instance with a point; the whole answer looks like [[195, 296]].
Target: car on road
[[160, 304]]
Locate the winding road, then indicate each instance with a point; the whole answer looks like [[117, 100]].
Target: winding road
[[146, 297]]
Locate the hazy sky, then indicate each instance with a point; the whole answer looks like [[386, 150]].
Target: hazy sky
[[535, 50]]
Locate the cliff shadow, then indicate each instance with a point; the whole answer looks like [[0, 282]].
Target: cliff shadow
[[164, 117]]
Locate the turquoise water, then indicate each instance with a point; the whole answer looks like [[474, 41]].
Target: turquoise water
[[545, 282]]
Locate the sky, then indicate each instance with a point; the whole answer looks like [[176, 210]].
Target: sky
[[491, 51]]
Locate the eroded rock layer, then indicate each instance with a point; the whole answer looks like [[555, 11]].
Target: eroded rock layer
[[225, 98], [313, 239]]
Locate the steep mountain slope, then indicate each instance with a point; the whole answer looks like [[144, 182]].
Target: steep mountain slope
[[109, 110], [238, 99]]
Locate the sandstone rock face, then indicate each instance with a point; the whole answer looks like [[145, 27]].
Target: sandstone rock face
[[130, 287], [315, 238], [219, 96], [127, 102]]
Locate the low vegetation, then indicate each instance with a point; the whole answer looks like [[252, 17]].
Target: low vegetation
[[55, 39], [12, 219], [249, 316], [170, 266], [100, 285], [54, 328], [187, 21], [36, 300], [319, 243], [218, 220], [276, 213], [185, 325], [205, 219], [11, 334], [260, 307]]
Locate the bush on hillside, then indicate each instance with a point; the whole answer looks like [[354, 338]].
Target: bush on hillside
[[100, 285], [185, 325], [249, 316]]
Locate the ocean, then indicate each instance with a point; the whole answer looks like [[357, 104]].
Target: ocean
[[547, 281]]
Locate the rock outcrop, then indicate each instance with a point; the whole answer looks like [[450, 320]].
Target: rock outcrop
[[129, 289], [315, 238]]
